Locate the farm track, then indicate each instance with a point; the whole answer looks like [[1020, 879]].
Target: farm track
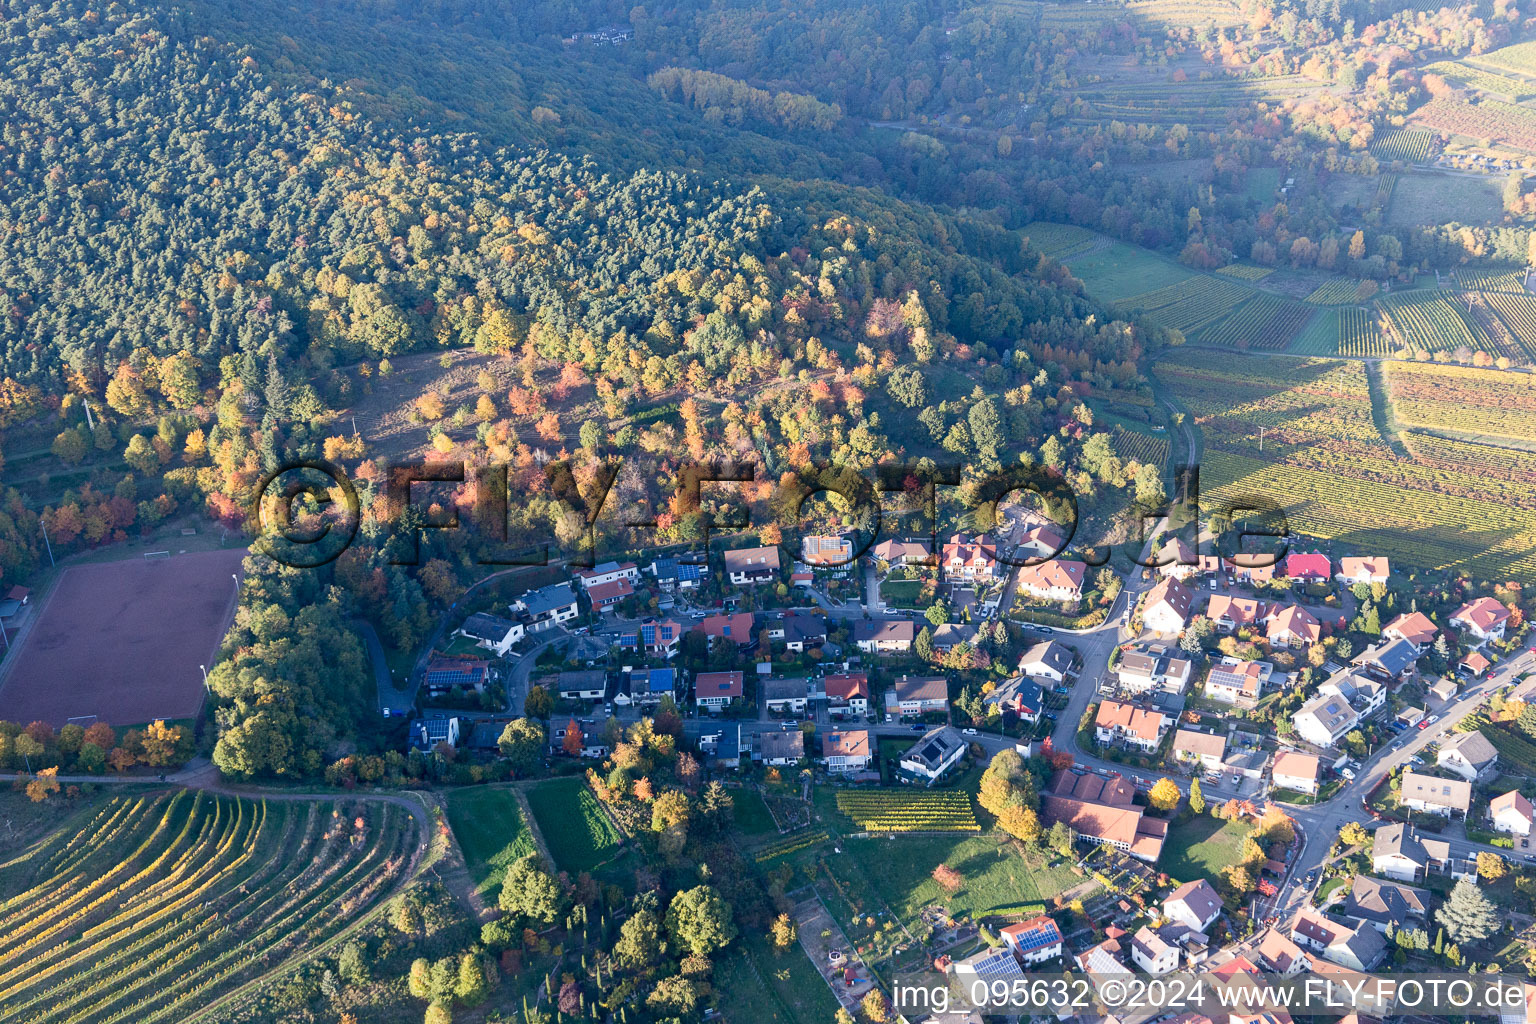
[[1381, 412]]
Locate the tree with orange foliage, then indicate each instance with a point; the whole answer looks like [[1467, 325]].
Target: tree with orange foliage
[[643, 789], [548, 427], [43, 785], [571, 744]]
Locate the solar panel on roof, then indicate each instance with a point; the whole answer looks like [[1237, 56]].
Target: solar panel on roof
[[1037, 938]]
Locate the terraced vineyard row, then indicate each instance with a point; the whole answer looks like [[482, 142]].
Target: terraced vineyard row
[[1320, 397], [1263, 322], [1520, 58], [1191, 304], [1486, 280], [1459, 73], [160, 904], [1245, 271], [1386, 184], [1059, 241], [884, 810], [1519, 314], [1424, 320], [1490, 119], [1336, 291], [1409, 145], [1135, 446], [793, 843], [1463, 399], [1481, 459]]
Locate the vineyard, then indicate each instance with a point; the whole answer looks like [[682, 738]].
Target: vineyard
[[1386, 184], [884, 810], [160, 903], [1059, 241], [1263, 322], [1463, 399], [1408, 145], [1520, 58], [1486, 280], [1359, 335], [1433, 502], [1426, 321], [1336, 291], [1490, 119], [1471, 77], [1191, 304], [1518, 313], [1134, 446], [791, 844], [1246, 271]]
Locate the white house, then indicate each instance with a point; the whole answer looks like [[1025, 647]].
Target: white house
[[750, 566], [607, 572], [1512, 813], [1234, 681], [847, 694], [1056, 580], [1125, 723], [917, 695], [546, 607], [1295, 771], [1435, 795], [1364, 570], [1324, 720], [1484, 618], [1050, 660], [714, 690], [936, 752], [492, 632], [1168, 607], [846, 750], [1033, 941], [583, 684], [784, 695], [1152, 954], [1469, 755], [1202, 748], [1194, 905], [1155, 668]]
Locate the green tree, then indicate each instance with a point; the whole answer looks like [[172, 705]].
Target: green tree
[[522, 744], [937, 614], [141, 455], [640, 943], [352, 964], [538, 703], [699, 921], [471, 988], [530, 890], [70, 446], [1467, 915]]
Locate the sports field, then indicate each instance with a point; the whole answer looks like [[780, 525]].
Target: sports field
[[122, 641]]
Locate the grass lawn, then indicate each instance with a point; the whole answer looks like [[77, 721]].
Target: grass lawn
[[752, 816], [902, 593], [1201, 847], [754, 985], [899, 871], [1121, 271], [578, 833], [491, 830]]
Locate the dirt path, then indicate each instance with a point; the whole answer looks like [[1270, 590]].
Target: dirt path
[[1381, 411]]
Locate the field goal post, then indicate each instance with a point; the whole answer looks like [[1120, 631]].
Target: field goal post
[[150, 556]]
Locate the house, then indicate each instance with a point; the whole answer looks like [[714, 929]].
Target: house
[[751, 566], [1102, 810], [936, 752], [1469, 755], [427, 733], [1201, 748], [778, 747], [1364, 694], [949, 635], [1364, 570], [884, 636], [826, 552], [684, 573], [1293, 626], [917, 695], [722, 745], [1228, 613], [1357, 946], [1168, 606], [1178, 559], [1324, 720], [1194, 905], [1151, 953], [1444, 690], [1051, 660], [784, 696], [1484, 618], [1103, 959], [652, 637], [1435, 795], [1391, 661], [1019, 696], [739, 627], [1033, 941], [1126, 723], [584, 684], [1056, 580], [1380, 903], [606, 596], [546, 607], [904, 552], [607, 572], [1154, 668], [969, 558], [1312, 567], [1276, 952], [714, 690], [1402, 854], [1474, 664], [1295, 771], [1247, 762], [1415, 627], [1410, 716], [1234, 681], [846, 750], [804, 631], [997, 964], [587, 734], [1040, 540], [445, 674], [1251, 568], [847, 694], [491, 632], [649, 685], [1511, 812]]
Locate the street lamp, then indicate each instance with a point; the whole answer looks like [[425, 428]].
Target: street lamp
[[205, 676]]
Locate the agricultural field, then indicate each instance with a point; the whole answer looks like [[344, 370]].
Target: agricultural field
[[1520, 58], [885, 810], [158, 904], [1326, 462], [1432, 198], [1245, 271], [1121, 271], [1060, 241], [575, 828], [1486, 279], [1464, 399], [489, 826], [1490, 119], [1134, 446], [1336, 291], [1263, 322], [1464, 74], [791, 844], [1518, 313], [1426, 321], [1407, 145], [1189, 305]]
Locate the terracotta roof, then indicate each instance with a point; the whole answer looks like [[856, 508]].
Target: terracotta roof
[[1515, 801], [718, 684], [1241, 611], [1373, 566], [1173, 594], [611, 591], [852, 743], [1308, 565], [1128, 718], [1053, 574], [740, 627], [1295, 765], [1415, 627], [1295, 620], [1201, 744], [848, 686], [1484, 613]]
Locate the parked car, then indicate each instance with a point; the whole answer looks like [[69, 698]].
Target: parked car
[[1432, 719], [1213, 584], [1237, 780], [969, 732], [1348, 773], [919, 728]]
